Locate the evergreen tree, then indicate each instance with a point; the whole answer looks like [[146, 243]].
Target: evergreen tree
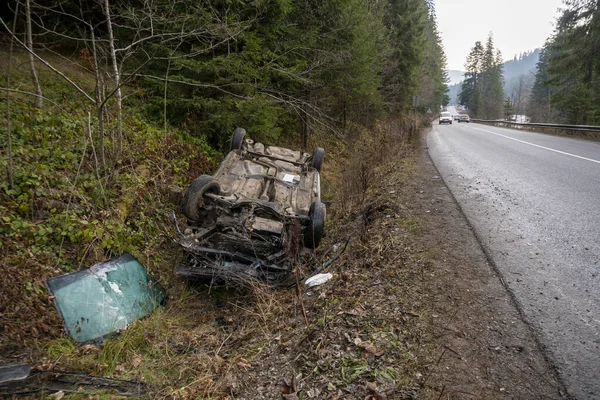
[[434, 81], [274, 67], [474, 65], [407, 21], [508, 108], [482, 90], [574, 63], [540, 108]]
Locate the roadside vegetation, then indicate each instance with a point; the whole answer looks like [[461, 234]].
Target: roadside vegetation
[[109, 106], [566, 88]]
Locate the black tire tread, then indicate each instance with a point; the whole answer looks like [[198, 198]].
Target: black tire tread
[[316, 227], [318, 157], [193, 195], [237, 139]]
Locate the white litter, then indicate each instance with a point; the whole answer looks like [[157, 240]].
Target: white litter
[[291, 178], [318, 279]]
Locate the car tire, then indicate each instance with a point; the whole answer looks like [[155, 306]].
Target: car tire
[[318, 157], [313, 233], [192, 199], [237, 139]]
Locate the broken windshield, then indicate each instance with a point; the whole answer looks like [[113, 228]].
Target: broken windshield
[[105, 298]]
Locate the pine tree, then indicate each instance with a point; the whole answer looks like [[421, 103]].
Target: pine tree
[[574, 63], [539, 106], [482, 89], [474, 65], [407, 21], [434, 80]]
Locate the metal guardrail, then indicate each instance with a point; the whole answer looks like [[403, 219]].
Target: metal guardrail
[[532, 126]]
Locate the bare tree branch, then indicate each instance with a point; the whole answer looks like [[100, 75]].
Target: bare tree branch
[[39, 103], [47, 64], [31, 94]]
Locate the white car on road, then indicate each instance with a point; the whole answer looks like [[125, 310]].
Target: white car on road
[[446, 118]]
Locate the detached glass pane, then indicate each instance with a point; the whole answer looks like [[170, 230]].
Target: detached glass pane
[[105, 298]]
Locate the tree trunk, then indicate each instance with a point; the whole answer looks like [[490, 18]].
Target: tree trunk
[[305, 128], [306, 122], [39, 100], [99, 103], [113, 56], [10, 168]]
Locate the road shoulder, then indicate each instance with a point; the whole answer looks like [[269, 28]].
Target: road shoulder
[[484, 348]]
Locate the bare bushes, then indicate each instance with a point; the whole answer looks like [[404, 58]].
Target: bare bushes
[[368, 160]]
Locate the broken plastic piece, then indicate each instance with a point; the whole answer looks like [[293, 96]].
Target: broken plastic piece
[[68, 382], [14, 372], [318, 279], [105, 298]]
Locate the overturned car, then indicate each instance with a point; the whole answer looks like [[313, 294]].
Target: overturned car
[[255, 216]]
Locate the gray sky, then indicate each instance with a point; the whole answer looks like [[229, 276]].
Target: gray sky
[[517, 25]]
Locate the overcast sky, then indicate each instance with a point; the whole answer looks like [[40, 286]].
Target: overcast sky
[[517, 25]]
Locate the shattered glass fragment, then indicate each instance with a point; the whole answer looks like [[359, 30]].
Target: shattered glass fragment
[[105, 298]]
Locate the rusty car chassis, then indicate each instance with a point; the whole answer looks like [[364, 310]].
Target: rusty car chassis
[[254, 217]]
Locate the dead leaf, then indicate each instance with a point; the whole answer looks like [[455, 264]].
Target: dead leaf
[[370, 347], [374, 393], [288, 386], [244, 365], [90, 348], [136, 361], [119, 369]]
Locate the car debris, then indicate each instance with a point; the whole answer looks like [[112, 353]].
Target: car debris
[[255, 215], [318, 279], [14, 372], [105, 298], [20, 380]]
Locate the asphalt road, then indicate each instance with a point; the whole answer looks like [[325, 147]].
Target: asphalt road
[[534, 202]]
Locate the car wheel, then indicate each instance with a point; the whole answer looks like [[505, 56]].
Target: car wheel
[[313, 233], [317, 158], [237, 139], [192, 199]]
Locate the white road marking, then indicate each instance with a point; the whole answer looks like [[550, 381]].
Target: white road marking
[[541, 147]]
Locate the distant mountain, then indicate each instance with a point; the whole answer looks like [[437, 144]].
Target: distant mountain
[[455, 76], [521, 65]]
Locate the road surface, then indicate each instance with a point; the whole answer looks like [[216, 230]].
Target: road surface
[[534, 202]]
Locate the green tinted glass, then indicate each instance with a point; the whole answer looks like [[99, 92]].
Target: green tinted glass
[[105, 298]]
